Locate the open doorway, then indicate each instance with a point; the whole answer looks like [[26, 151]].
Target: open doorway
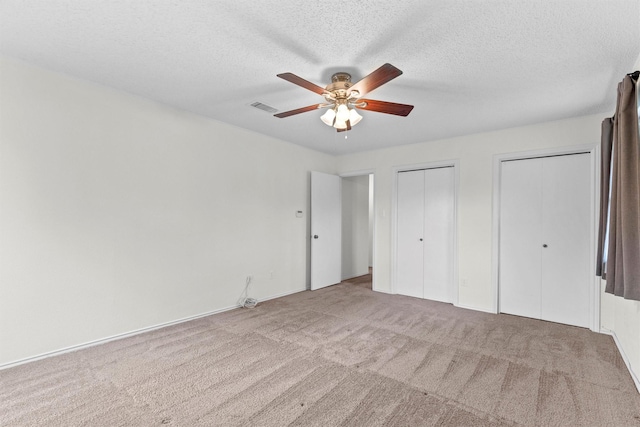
[[357, 230]]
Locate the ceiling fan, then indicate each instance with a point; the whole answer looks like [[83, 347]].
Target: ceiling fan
[[343, 97]]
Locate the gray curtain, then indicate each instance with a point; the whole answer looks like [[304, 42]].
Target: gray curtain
[[621, 150]]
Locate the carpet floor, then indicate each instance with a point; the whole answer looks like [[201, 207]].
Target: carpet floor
[[339, 356]]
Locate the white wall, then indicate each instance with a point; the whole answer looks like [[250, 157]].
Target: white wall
[[622, 318], [119, 214], [355, 226], [475, 154]]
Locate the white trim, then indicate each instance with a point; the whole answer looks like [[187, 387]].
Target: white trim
[[594, 296], [131, 333], [468, 307], [456, 278], [394, 230], [357, 173], [455, 163], [634, 377]]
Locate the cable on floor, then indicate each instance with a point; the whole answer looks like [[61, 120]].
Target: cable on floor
[[248, 302]]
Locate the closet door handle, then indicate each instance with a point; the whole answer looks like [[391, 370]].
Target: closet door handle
[[544, 245], [421, 239]]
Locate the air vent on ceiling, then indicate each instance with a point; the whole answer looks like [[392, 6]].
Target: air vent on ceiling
[[264, 107]]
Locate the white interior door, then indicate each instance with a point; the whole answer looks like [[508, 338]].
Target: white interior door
[[326, 238], [438, 233], [520, 235], [410, 232], [566, 239]]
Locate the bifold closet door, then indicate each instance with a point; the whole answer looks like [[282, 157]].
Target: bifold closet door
[[410, 216], [566, 225], [521, 237], [545, 238], [438, 234], [426, 233]]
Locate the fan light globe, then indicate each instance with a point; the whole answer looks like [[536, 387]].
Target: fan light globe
[[328, 117], [343, 113], [340, 124], [354, 117]]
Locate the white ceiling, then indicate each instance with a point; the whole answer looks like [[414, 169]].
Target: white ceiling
[[469, 66]]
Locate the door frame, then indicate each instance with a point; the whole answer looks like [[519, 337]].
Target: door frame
[[592, 150], [455, 163], [371, 172]]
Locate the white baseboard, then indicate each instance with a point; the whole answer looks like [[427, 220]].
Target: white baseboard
[[131, 333], [624, 356], [283, 294], [467, 307]]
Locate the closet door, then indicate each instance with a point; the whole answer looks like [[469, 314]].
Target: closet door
[[438, 234], [545, 237], [520, 233], [566, 224], [410, 216], [425, 233]]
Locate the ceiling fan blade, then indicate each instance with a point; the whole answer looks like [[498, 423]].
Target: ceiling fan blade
[[299, 110], [290, 77], [382, 75], [384, 107]]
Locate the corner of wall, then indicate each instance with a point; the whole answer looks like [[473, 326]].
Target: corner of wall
[[620, 318]]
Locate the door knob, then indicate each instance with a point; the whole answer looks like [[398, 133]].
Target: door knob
[[315, 236], [544, 245], [421, 239]]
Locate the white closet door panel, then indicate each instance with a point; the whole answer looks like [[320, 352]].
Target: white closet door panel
[[566, 232], [410, 217], [520, 232], [438, 234]]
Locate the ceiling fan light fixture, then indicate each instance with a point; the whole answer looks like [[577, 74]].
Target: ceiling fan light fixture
[[328, 117], [342, 97]]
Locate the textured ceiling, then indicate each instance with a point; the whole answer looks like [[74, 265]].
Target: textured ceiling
[[469, 66]]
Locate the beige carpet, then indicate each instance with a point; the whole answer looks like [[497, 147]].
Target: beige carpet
[[340, 356]]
